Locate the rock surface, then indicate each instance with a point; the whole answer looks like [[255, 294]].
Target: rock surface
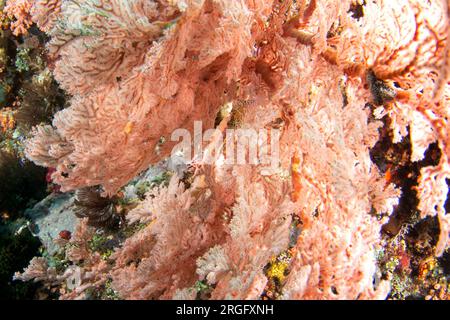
[[51, 216], [56, 212]]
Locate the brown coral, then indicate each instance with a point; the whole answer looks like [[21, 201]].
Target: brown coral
[[100, 211]]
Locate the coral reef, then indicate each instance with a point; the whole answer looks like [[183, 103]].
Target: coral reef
[[330, 79]]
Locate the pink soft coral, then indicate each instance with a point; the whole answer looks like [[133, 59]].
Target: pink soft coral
[[138, 69]]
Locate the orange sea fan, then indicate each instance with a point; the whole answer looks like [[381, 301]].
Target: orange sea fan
[[146, 80]]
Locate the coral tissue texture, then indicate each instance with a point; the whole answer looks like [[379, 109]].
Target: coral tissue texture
[[325, 73]]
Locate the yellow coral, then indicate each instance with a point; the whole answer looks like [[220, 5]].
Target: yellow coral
[[278, 267]]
